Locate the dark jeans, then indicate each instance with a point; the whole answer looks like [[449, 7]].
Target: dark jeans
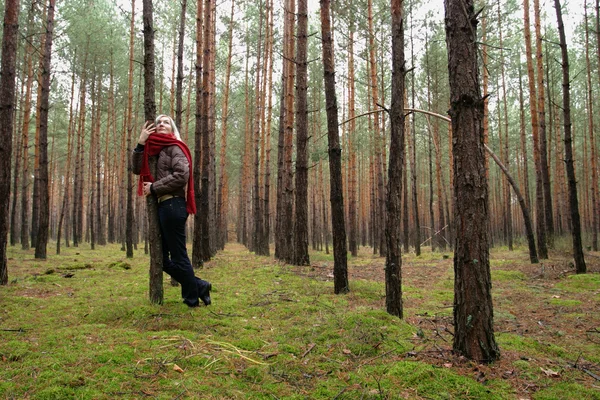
[[172, 215]]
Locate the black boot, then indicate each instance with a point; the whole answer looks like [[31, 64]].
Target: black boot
[[204, 288]]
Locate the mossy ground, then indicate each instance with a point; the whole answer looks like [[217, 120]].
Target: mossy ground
[[80, 326]]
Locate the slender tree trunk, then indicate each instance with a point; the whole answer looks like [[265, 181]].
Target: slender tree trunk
[[179, 88], [580, 266], [7, 99], [44, 196], [156, 259], [301, 221], [592, 139], [129, 215], [393, 260], [473, 310], [541, 108], [204, 129], [197, 247], [340, 267], [413, 152], [352, 149], [222, 198], [539, 190], [257, 202]]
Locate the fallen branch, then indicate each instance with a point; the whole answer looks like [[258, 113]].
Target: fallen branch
[[13, 330], [312, 346], [590, 373]]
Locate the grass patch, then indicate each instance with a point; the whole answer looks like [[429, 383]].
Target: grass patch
[[273, 331]]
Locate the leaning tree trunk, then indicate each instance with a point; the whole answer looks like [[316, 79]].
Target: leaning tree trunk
[[44, 196], [156, 258], [573, 202], [7, 98], [393, 259], [473, 310], [340, 266]]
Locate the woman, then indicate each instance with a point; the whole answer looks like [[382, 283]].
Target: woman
[[173, 173]]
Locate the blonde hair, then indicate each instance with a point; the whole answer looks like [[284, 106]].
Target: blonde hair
[[173, 126]]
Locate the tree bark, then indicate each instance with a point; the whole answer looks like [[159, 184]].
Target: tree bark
[[156, 259], [473, 309], [393, 259], [44, 196], [539, 190], [204, 132], [222, 191], [301, 221], [580, 266], [129, 127], [7, 99], [340, 267]]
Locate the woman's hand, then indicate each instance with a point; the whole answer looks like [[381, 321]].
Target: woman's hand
[[147, 190], [147, 130]]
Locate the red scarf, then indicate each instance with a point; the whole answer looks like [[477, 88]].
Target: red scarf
[[154, 145]]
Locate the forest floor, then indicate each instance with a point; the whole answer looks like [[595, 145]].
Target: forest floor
[[79, 326], [548, 314]]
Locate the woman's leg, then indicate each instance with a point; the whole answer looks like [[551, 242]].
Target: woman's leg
[[173, 215]]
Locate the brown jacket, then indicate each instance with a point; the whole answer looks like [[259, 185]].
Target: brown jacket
[[172, 170]]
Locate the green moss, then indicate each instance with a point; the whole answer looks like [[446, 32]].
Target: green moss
[[564, 302], [564, 390], [507, 275]]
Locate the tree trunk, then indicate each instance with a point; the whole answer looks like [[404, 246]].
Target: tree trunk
[[222, 198], [156, 259], [473, 309], [301, 222], [592, 139], [129, 127], [257, 245], [340, 267], [352, 148], [204, 132], [412, 149], [7, 99], [44, 196], [393, 259], [197, 246], [539, 190], [580, 266], [179, 88], [541, 108]]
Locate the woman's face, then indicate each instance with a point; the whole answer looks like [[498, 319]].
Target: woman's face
[[163, 126]]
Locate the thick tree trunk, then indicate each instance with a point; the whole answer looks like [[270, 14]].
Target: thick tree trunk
[[301, 220], [473, 309], [340, 267], [580, 266], [44, 196], [7, 99], [393, 260], [156, 259]]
